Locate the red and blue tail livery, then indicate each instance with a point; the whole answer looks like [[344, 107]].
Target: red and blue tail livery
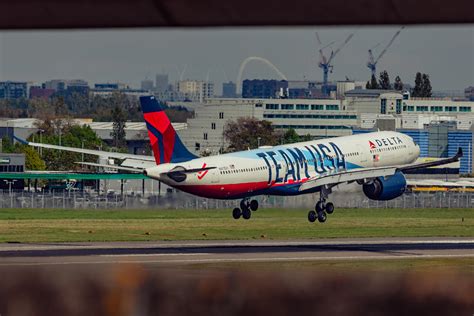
[[165, 143]]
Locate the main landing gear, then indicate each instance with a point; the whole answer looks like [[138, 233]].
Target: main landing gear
[[322, 208], [245, 210]]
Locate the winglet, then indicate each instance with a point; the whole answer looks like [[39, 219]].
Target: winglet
[[21, 140], [459, 153]]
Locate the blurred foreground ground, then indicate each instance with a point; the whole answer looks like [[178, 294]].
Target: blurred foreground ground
[[132, 289]]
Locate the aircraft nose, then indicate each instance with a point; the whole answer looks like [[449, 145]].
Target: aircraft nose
[[417, 150]]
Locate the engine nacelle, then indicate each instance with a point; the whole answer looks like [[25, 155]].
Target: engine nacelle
[[385, 188]]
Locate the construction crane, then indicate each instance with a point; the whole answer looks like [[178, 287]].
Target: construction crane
[[325, 62], [372, 63]]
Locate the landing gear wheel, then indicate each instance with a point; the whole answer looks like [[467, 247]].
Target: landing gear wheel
[[236, 213], [253, 205], [322, 217], [243, 204], [312, 216], [246, 213], [329, 208], [319, 207]]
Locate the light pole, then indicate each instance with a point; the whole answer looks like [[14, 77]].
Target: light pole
[[8, 131], [10, 182], [82, 154], [41, 131], [258, 142]]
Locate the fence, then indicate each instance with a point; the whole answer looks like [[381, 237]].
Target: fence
[[179, 200]]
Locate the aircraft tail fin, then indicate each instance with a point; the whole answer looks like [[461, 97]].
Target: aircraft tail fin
[[166, 145]]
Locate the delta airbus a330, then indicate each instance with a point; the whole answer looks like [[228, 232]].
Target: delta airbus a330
[[374, 160]]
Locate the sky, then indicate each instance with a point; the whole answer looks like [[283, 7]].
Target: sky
[[446, 53]]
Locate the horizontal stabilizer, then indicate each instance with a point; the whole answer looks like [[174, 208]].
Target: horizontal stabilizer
[[110, 167], [86, 151]]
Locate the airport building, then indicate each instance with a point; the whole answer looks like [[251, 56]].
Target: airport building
[[395, 102], [317, 117], [12, 163]]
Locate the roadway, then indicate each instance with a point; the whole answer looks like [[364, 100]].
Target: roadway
[[208, 252]]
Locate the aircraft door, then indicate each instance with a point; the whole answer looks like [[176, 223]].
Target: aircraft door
[[215, 175]]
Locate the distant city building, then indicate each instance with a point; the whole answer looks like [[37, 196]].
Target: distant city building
[[229, 90], [11, 90], [107, 89], [266, 89], [161, 83], [77, 83], [195, 90], [110, 86], [62, 84], [37, 92], [56, 85], [147, 85], [170, 95], [469, 93]]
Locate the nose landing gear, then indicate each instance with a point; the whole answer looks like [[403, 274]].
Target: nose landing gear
[[245, 210]]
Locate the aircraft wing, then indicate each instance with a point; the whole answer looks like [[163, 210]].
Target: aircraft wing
[[88, 151], [432, 163], [370, 173], [348, 176]]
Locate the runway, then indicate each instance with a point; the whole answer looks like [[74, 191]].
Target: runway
[[195, 252]]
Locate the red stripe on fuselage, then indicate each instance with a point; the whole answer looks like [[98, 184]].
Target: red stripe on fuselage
[[230, 190], [223, 191]]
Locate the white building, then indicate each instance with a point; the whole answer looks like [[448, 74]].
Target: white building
[[318, 118], [195, 90]]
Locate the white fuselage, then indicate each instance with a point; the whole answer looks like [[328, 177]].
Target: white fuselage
[[279, 170]]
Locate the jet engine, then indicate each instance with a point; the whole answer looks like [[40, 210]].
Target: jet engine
[[385, 188]]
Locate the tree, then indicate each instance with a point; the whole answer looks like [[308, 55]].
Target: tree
[[249, 132], [422, 86], [72, 136], [426, 86], [398, 85], [417, 90], [384, 81], [290, 137], [60, 109], [118, 127], [32, 159], [372, 84]]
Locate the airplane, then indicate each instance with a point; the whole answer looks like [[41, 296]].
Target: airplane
[[376, 161]]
